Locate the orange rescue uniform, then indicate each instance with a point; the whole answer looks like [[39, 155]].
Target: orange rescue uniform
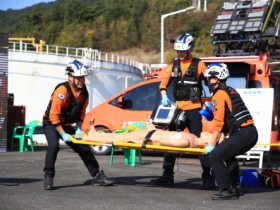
[[219, 101], [59, 99], [184, 105]]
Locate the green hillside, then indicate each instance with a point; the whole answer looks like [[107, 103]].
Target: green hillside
[[122, 26]]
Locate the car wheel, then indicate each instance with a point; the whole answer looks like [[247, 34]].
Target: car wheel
[[101, 150]]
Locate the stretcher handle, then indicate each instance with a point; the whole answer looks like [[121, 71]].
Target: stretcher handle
[[75, 141]]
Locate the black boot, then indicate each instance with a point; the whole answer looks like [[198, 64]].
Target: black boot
[[229, 194], [101, 180], [238, 190], [207, 182], [48, 182], [165, 179]]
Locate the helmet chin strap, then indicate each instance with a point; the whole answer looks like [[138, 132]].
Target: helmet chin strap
[[73, 84], [188, 55]]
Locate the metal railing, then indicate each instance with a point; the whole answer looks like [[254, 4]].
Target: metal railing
[[77, 53]]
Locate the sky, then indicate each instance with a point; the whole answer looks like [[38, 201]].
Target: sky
[[19, 4]]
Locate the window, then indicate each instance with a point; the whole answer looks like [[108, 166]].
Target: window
[[235, 82], [145, 97], [238, 79]]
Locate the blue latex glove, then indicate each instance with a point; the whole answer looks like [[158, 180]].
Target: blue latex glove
[[78, 134], [206, 111], [209, 148], [65, 137], [165, 101]]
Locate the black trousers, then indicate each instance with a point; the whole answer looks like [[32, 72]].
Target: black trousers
[[223, 157], [194, 124], [84, 151]]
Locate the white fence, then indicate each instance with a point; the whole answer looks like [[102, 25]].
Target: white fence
[[96, 55]]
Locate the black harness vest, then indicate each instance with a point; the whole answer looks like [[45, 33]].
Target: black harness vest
[[187, 87], [240, 113], [72, 113]]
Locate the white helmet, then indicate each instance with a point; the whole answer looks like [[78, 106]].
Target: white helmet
[[219, 70], [76, 69], [184, 42]]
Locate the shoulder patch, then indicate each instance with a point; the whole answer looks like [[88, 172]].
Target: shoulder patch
[[61, 96], [214, 105]]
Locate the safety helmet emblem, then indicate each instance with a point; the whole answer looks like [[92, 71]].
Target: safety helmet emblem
[[184, 42], [219, 70]]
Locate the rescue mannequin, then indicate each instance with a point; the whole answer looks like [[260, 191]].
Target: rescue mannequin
[[159, 137]]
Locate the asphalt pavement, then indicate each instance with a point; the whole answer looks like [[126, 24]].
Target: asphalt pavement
[[21, 185]]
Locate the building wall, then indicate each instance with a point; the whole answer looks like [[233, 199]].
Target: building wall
[[33, 77]]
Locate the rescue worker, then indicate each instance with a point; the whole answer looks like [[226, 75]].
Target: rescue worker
[[186, 74], [233, 120], [67, 106]]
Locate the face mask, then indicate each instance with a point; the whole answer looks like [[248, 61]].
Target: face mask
[[212, 87], [186, 57]]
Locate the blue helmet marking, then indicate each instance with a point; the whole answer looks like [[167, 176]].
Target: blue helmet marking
[[214, 64], [77, 65], [185, 38]]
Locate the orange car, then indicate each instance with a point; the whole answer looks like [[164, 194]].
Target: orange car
[[130, 105]]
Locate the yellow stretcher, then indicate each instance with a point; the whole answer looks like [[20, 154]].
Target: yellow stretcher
[[271, 145], [123, 145]]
